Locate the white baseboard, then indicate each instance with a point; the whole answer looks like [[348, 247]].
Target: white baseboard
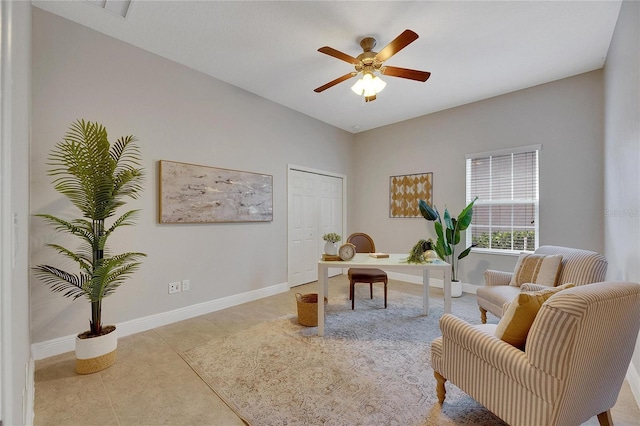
[[65, 344], [634, 382], [433, 282]]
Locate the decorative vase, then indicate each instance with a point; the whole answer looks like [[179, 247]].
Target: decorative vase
[[430, 255], [456, 288], [95, 354], [330, 248]]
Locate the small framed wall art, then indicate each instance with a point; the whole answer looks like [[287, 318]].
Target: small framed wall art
[[201, 194], [406, 190]]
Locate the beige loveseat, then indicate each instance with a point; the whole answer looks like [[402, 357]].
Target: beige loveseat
[[575, 359], [578, 266]]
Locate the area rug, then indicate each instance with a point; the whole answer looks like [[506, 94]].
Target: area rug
[[372, 367]]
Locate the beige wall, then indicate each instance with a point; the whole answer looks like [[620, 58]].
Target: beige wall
[[565, 117], [177, 114], [622, 157]]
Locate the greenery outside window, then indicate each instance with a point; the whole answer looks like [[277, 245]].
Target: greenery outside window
[[505, 215]]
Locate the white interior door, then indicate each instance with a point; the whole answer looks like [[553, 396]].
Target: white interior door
[[295, 227], [310, 228], [315, 208], [330, 193]]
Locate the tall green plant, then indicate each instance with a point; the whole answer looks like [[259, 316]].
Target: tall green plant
[[448, 231], [96, 177]]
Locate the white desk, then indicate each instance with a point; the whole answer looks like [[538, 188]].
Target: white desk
[[394, 261]]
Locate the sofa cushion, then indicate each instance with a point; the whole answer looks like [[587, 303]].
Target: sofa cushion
[[497, 295], [518, 316], [537, 269]]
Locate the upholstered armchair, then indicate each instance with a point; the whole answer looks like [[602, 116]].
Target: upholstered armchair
[[575, 359], [578, 266]]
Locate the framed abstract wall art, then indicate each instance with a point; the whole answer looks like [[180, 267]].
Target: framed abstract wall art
[[191, 193], [406, 190]]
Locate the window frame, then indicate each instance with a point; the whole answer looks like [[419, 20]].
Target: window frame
[[536, 201]]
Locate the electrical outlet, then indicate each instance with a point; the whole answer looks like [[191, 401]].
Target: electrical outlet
[[174, 287], [186, 285]]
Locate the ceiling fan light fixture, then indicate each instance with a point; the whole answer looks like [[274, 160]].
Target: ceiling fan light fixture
[[368, 86], [370, 62]]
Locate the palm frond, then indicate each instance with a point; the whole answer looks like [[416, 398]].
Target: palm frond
[[126, 153], [128, 182], [62, 281], [128, 175], [68, 159], [84, 168], [126, 219], [119, 276], [77, 228], [86, 252], [83, 261], [94, 175], [111, 273]]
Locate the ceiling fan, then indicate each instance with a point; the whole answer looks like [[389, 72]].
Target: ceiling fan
[[369, 62]]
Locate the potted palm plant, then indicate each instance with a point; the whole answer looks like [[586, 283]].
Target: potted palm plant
[[96, 177], [448, 231]]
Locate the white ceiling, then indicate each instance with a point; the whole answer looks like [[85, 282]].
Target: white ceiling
[[474, 49]]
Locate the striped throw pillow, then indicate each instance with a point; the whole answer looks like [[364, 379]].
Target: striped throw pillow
[[537, 269], [518, 316]]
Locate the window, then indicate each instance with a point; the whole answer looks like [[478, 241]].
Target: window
[[505, 215]]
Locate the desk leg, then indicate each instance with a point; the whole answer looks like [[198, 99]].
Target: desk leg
[[323, 290], [447, 290], [425, 290]]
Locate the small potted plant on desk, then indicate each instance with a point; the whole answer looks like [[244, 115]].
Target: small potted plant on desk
[[422, 252], [96, 177], [331, 245]]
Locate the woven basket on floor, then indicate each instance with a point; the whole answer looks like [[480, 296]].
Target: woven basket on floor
[[308, 309]]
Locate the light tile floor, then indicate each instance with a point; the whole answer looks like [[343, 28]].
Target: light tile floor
[[150, 384]]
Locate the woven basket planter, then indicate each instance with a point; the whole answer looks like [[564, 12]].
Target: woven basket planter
[[308, 309], [95, 354]]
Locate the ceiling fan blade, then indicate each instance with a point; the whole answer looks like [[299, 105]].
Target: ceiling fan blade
[[405, 73], [399, 43], [339, 55], [334, 82]]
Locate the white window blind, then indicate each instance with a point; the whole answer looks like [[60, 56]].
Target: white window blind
[[505, 215]]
